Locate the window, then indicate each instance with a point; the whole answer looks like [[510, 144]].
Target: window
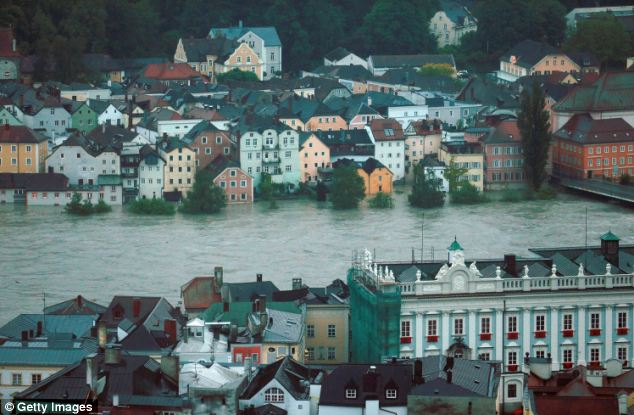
[[621, 353], [622, 319], [458, 326], [595, 354], [485, 325], [511, 390], [390, 393], [432, 327], [16, 379], [274, 395], [567, 357], [243, 183], [36, 378], [332, 353], [540, 323], [207, 150], [225, 150], [218, 139], [595, 321], [512, 358], [540, 354], [310, 353], [332, 330], [351, 393], [406, 328], [567, 322], [288, 168], [485, 356], [511, 324], [310, 330]]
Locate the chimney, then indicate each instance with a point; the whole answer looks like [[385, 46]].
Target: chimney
[[262, 303], [39, 329], [258, 277], [233, 333], [448, 369], [115, 400], [610, 248], [297, 283], [79, 301], [370, 379], [102, 335], [418, 372], [247, 368], [170, 367], [509, 264], [169, 328], [13, 44], [240, 23], [25, 336], [112, 355], [91, 372], [225, 306], [103, 128], [218, 274], [136, 308]]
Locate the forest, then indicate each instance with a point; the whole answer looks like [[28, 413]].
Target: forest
[[63, 30]]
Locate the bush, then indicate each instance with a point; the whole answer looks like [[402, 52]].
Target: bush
[[85, 208], [205, 196], [625, 179], [467, 194], [426, 190], [101, 207], [348, 188], [152, 207], [521, 195], [381, 201]]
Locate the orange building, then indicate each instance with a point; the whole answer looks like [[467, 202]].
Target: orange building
[[325, 119], [376, 177], [245, 59], [22, 150], [313, 155], [589, 148]]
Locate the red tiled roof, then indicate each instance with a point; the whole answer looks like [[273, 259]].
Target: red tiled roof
[[199, 293], [19, 134], [586, 130], [170, 71], [380, 128], [425, 127], [565, 405]]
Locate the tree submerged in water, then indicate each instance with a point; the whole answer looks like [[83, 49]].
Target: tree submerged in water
[[205, 196], [467, 194], [152, 207], [348, 188], [85, 208], [381, 201], [426, 190]]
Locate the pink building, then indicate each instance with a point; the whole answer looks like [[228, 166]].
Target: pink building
[[237, 184], [503, 155]]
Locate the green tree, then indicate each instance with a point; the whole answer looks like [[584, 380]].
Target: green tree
[[534, 125], [237, 75], [604, 36], [453, 173], [467, 194], [348, 188], [205, 197], [381, 201], [152, 207], [426, 190]]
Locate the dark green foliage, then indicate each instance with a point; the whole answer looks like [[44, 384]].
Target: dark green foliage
[[381, 201], [533, 123], [152, 207], [205, 197], [525, 194], [467, 194], [266, 187], [604, 36], [625, 179], [348, 188], [453, 173], [237, 75], [85, 208], [426, 190]]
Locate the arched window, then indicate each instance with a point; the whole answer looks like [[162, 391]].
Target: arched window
[[274, 395]]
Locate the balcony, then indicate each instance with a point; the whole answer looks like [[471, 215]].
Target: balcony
[[594, 365], [568, 333], [540, 334], [622, 331], [512, 335], [270, 160], [595, 332], [512, 368], [406, 340], [432, 339], [567, 365], [485, 336]]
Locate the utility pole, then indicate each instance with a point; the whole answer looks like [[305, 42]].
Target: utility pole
[[422, 240]]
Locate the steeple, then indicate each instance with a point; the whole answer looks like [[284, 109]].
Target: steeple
[[455, 253]]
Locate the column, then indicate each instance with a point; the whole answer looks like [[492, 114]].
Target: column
[[526, 332], [609, 330], [581, 331], [445, 334], [474, 329], [419, 335], [499, 334], [554, 337]]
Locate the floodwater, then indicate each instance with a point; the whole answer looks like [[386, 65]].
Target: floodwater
[[43, 250]]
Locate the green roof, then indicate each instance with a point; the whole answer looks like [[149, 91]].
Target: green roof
[[609, 237], [108, 180], [38, 356], [455, 246], [239, 311]]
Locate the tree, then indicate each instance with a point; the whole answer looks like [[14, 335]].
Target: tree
[[426, 190], [205, 196], [238, 75], [467, 194], [534, 127], [381, 201], [348, 188], [604, 36], [453, 173], [266, 186], [437, 69], [152, 207]]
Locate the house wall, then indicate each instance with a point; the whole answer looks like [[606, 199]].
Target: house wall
[[379, 181], [459, 405], [209, 144], [7, 389], [84, 119], [7, 195], [504, 165], [180, 169], [418, 146], [290, 404], [7, 117], [111, 195], [83, 95], [408, 114], [347, 410], [175, 128], [326, 123], [237, 185], [110, 116], [447, 32], [280, 157], [151, 179], [320, 316], [475, 163], [559, 62], [392, 155], [23, 158], [453, 114], [245, 59], [313, 155], [239, 353], [78, 165], [572, 159], [9, 69], [350, 59], [53, 120]]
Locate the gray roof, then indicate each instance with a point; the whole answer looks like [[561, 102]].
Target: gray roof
[[77, 325], [267, 33], [246, 291], [337, 54], [283, 327], [289, 373]]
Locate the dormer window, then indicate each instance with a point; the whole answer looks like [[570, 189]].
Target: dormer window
[[351, 393], [390, 393], [275, 395]]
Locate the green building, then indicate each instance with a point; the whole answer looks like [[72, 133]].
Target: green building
[[83, 118], [6, 117], [375, 314]]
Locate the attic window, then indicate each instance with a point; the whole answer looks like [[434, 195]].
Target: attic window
[[275, 395], [351, 393], [389, 132], [390, 393]]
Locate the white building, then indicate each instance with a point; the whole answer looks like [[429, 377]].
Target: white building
[[343, 57], [408, 114], [452, 22], [389, 145], [151, 173], [106, 112], [175, 128]]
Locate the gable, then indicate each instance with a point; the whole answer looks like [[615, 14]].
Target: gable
[[558, 58], [244, 50]]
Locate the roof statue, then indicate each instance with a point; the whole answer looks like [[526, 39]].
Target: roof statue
[[580, 274]]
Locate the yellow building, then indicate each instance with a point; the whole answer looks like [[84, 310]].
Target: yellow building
[[245, 59], [376, 177], [313, 155], [180, 166], [467, 156], [22, 150], [327, 331]]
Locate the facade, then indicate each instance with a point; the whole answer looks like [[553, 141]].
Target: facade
[[379, 64], [453, 113], [343, 57], [407, 114], [83, 117], [7, 116], [389, 141], [437, 168], [327, 331], [567, 303], [376, 177], [452, 22], [180, 165], [504, 157], [151, 173], [467, 156], [106, 112], [313, 155], [245, 59], [235, 182], [422, 138], [274, 150], [593, 148], [209, 142], [50, 117], [325, 119], [22, 150], [83, 92]]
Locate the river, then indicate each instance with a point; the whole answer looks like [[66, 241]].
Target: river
[[45, 250]]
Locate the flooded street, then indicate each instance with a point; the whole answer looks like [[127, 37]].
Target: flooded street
[[45, 250]]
